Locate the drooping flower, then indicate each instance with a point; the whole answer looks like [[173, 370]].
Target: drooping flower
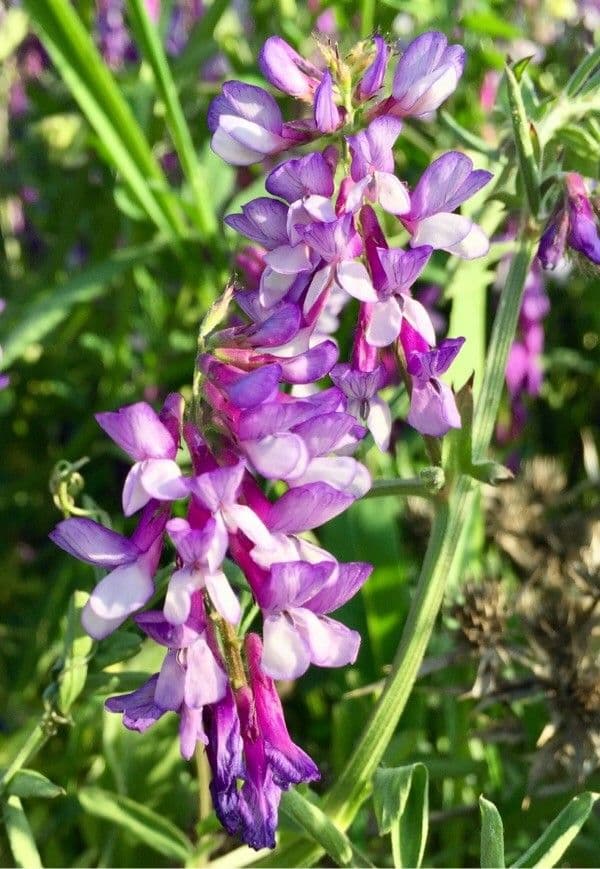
[[583, 233], [361, 389], [433, 408]]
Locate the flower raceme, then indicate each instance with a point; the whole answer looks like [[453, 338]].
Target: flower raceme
[[274, 402]]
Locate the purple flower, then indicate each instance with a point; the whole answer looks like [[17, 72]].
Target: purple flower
[[132, 563], [583, 228], [433, 408], [295, 599], [337, 244], [301, 177], [443, 186], [372, 168], [264, 220], [286, 70], [384, 318], [327, 115], [217, 491], [554, 238], [201, 551], [361, 388], [373, 78], [189, 679], [247, 126], [152, 443], [426, 75], [290, 765]]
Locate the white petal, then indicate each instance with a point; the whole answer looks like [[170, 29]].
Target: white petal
[[231, 151], [162, 479], [319, 284], [476, 244], [392, 195], [385, 320], [134, 494], [238, 516], [250, 135], [223, 596], [285, 654], [178, 602], [273, 287], [289, 260], [331, 643], [205, 681], [121, 592], [379, 422], [342, 472], [442, 231], [170, 685], [353, 277], [418, 316]]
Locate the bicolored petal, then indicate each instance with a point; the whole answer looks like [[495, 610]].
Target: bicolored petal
[[89, 541], [330, 643], [384, 322], [286, 654], [205, 681], [137, 429]]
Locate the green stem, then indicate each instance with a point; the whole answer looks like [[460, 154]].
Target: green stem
[[367, 18], [428, 483], [34, 742]]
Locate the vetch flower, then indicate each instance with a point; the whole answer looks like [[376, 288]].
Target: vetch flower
[[372, 168], [288, 71], [583, 227], [247, 126], [394, 302], [297, 631], [426, 75], [361, 388], [373, 78], [327, 115], [433, 408], [153, 443], [443, 186], [132, 563]]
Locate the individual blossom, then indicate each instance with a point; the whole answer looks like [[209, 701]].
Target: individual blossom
[[295, 599], [373, 78], [132, 563], [246, 125], [152, 442], [288, 71], [394, 302], [190, 678], [327, 115], [572, 224], [433, 408], [425, 76], [443, 186], [372, 168], [361, 389]]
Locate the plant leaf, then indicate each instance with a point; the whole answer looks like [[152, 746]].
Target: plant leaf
[[30, 783], [153, 830], [527, 164], [77, 648], [20, 837], [86, 75], [401, 803], [492, 836], [555, 840]]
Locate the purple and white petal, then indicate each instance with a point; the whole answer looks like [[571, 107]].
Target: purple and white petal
[[223, 597], [330, 643], [285, 653], [89, 541], [137, 429]]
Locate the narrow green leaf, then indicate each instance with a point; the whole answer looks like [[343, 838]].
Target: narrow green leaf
[[585, 69], [320, 828], [503, 331], [400, 798], [153, 830], [152, 48], [77, 648], [527, 164], [93, 87], [492, 836], [41, 316], [555, 840], [20, 838], [30, 783]]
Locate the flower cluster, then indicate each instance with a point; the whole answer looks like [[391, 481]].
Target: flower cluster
[[263, 411], [572, 224]]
